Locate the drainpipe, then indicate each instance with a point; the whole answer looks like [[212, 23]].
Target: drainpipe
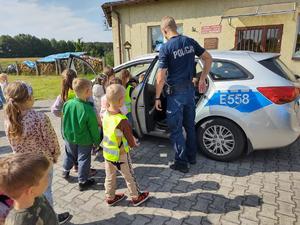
[[119, 36]]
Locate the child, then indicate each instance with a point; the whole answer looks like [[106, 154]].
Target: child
[[66, 92], [109, 74], [80, 130], [125, 77], [24, 178], [30, 131], [3, 84], [98, 92], [117, 141], [104, 104]]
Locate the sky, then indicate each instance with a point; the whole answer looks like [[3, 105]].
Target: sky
[[59, 19]]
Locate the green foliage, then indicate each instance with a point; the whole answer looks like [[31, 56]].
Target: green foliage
[[25, 45], [44, 87], [109, 58]]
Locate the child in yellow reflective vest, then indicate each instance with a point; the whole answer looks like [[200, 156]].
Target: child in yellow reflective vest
[[125, 77], [116, 143]]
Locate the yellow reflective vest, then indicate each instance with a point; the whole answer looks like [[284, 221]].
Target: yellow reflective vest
[[128, 99], [71, 94], [111, 143]]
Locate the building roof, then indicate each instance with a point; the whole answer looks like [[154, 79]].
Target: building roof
[[108, 7]]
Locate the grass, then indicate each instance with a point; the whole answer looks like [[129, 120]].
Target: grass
[[4, 62], [44, 87]]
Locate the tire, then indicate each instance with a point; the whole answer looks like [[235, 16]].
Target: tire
[[220, 139]]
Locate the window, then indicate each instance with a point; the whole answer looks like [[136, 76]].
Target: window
[[157, 38], [297, 50], [278, 67], [226, 71], [137, 69], [259, 39]]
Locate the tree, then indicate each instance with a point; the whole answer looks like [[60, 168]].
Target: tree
[[25, 45], [79, 45]]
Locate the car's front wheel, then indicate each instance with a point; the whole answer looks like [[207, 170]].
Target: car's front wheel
[[221, 139]]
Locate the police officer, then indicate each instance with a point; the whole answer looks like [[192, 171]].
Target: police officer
[[177, 56]]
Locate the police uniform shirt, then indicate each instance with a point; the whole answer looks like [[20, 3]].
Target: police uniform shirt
[[178, 56]]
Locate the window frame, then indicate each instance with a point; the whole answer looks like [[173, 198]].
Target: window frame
[[150, 35], [240, 67], [264, 29], [297, 34]]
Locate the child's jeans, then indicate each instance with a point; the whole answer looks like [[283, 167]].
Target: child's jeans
[[125, 168], [83, 154], [48, 192]]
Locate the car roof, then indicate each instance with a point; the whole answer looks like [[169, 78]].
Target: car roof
[[216, 54]]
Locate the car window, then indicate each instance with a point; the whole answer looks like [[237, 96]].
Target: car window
[[152, 77], [278, 67], [226, 71], [137, 69]]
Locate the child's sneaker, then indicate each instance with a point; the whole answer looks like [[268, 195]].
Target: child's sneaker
[[118, 197], [66, 174], [86, 185], [142, 198]]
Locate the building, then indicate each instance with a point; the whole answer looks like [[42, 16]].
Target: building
[[256, 25]]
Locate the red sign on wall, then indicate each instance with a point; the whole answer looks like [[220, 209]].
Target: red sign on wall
[[211, 29]]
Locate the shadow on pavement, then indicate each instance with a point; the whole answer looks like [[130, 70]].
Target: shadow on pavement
[[126, 219], [158, 151], [206, 202]]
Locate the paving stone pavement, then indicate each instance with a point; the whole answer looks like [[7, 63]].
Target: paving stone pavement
[[262, 188]]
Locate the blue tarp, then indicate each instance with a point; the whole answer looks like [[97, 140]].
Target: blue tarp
[[30, 64], [65, 55]]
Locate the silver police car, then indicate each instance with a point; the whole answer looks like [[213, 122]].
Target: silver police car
[[252, 102]]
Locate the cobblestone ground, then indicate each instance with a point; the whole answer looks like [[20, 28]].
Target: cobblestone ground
[[263, 188]]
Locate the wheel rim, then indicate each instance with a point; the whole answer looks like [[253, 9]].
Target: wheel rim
[[218, 140]]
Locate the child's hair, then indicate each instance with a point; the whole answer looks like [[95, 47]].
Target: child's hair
[[98, 80], [80, 85], [141, 77], [108, 73], [114, 93], [3, 77], [115, 81], [16, 94], [125, 76], [68, 76], [21, 171]]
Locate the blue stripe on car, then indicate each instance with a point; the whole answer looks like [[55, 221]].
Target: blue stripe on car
[[243, 101]]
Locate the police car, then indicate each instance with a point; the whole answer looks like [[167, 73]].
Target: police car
[[252, 102]]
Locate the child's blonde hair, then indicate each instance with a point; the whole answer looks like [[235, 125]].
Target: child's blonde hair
[[80, 85], [21, 171], [125, 76], [16, 94], [3, 77], [114, 93]]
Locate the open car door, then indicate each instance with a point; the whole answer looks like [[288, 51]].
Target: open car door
[[143, 103]]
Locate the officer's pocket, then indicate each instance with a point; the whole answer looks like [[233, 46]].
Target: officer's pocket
[[174, 112]]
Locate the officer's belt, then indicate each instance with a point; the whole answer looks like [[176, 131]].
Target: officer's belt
[[182, 86]]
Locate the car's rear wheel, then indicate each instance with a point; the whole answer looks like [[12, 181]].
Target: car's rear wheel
[[221, 139]]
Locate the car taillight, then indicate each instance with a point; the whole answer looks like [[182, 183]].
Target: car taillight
[[280, 95]]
